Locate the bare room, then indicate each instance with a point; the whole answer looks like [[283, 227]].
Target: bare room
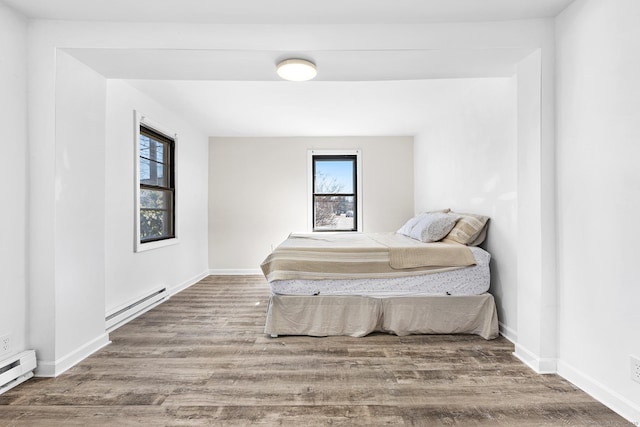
[[520, 113]]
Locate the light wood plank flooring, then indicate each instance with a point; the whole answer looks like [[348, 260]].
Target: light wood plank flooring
[[201, 359]]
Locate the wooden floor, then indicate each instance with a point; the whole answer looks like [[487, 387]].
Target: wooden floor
[[201, 359]]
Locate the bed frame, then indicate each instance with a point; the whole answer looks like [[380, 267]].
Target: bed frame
[[358, 316]]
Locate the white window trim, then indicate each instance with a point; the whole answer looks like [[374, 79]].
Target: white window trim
[[310, 154], [141, 119]]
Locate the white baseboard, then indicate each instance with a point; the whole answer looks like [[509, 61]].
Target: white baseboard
[[135, 315], [170, 292], [48, 368], [235, 272], [187, 283], [538, 364], [617, 403], [508, 333]]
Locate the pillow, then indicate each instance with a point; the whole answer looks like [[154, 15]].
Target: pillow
[[469, 230], [481, 237], [431, 226], [408, 226]]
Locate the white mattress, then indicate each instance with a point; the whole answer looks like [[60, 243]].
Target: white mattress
[[473, 280]]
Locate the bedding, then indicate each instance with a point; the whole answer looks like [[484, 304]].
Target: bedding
[[357, 283], [471, 280], [361, 255]]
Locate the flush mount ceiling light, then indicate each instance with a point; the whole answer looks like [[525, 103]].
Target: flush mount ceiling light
[[296, 70]]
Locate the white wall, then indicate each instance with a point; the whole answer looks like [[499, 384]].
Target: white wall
[[258, 192], [537, 303], [13, 173], [78, 211], [76, 261], [598, 93], [66, 264], [465, 160], [131, 275]]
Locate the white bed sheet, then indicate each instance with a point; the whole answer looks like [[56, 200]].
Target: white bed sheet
[[473, 280]]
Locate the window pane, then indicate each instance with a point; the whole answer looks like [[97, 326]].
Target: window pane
[[158, 151], [145, 142], [154, 224], [160, 176], [152, 173], [155, 214], [155, 199], [334, 213], [145, 171], [152, 149], [334, 176]]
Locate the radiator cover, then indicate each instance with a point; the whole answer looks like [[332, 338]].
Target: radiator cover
[[17, 369], [130, 311]]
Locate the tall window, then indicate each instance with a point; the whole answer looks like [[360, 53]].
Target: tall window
[[334, 188], [156, 178]]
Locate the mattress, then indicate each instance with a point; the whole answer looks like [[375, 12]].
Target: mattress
[[472, 280]]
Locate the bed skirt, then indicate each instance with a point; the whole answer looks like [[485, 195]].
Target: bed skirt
[[358, 316]]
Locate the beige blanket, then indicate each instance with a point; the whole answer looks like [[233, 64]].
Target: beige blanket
[[361, 255]]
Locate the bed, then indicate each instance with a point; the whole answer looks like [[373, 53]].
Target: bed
[[429, 277]]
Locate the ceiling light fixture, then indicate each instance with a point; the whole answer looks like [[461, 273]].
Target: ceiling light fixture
[[296, 70]]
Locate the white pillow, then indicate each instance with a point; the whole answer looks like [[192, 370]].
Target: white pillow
[[429, 226], [408, 226]]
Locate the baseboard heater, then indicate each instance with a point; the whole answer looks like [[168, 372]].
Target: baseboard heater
[[16, 369], [120, 316]]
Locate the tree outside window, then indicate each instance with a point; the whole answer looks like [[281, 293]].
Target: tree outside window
[[334, 193]]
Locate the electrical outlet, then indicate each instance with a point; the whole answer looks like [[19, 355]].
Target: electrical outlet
[[5, 344], [635, 368]]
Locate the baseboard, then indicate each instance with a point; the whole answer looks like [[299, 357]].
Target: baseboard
[[187, 283], [235, 272], [508, 333], [170, 292], [134, 308], [617, 403], [48, 368], [532, 360]]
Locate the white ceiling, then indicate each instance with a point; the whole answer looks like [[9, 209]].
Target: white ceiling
[[289, 11], [386, 91], [252, 109], [333, 65]]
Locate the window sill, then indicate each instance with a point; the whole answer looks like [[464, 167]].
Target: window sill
[[141, 247]]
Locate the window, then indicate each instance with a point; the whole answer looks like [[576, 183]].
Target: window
[[334, 193], [156, 195]]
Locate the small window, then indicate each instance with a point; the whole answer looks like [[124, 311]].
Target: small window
[[156, 195], [334, 191]]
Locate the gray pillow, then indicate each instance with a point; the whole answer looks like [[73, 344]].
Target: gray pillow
[[429, 226], [408, 226]]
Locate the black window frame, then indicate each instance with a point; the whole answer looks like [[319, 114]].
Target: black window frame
[[168, 166], [353, 158]]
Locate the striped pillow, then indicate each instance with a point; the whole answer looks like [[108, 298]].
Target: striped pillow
[[468, 229]]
